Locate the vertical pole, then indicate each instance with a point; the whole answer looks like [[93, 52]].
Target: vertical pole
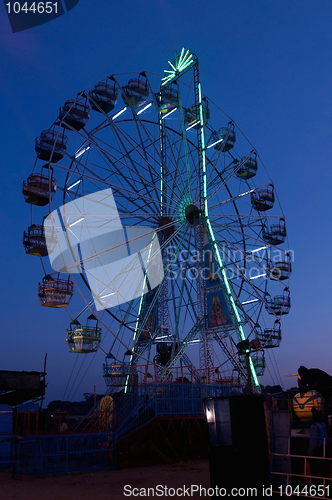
[[206, 348], [163, 316]]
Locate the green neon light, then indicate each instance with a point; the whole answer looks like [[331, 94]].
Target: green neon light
[[179, 65], [180, 58], [186, 59], [209, 227], [186, 54], [203, 147], [185, 66], [186, 62]]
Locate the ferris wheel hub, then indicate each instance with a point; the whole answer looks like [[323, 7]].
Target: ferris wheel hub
[[192, 214]]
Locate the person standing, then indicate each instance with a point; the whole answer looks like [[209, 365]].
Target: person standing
[[318, 380], [318, 435]]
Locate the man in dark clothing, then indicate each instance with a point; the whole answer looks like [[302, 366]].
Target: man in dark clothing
[[317, 380], [318, 466]]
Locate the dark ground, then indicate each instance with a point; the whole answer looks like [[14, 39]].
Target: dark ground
[[107, 484]]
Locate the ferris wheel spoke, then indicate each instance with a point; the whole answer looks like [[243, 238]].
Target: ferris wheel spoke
[[91, 175], [117, 164], [251, 237], [174, 166], [255, 218], [238, 225], [231, 199], [118, 171], [120, 189], [142, 321], [185, 145], [164, 246], [233, 172], [177, 300], [178, 306], [134, 198], [255, 290], [112, 161], [184, 158], [123, 173], [176, 161], [214, 176], [121, 153], [150, 161], [164, 164], [225, 169], [254, 238], [237, 257], [190, 293], [157, 189]]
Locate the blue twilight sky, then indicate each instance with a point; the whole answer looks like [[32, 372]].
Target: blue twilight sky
[[267, 63]]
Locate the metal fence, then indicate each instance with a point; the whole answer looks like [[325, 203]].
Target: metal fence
[[57, 454], [8, 452], [92, 448], [165, 399], [295, 474]]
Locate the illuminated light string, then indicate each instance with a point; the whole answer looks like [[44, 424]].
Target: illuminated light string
[[119, 113], [217, 142], [209, 227], [259, 276], [108, 295], [79, 153], [169, 113], [250, 301], [73, 185], [193, 125], [258, 249], [76, 222], [145, 107]]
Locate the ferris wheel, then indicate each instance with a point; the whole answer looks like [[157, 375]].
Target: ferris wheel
[[176, 166]]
